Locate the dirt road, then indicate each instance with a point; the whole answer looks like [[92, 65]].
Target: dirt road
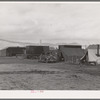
[[24, 74]]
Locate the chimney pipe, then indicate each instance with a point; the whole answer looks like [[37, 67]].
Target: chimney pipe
[[98, 49]]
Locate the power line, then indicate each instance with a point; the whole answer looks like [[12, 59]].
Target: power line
[[15, 41]]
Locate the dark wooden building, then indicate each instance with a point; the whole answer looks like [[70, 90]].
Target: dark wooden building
[[12, 51], [36, 51]]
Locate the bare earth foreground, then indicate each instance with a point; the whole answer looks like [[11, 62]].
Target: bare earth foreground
[[24, 74]]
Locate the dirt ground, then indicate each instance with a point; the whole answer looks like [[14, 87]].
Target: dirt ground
[[24, 74]]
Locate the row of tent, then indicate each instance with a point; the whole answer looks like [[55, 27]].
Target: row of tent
[[75, 54], [68, 53]]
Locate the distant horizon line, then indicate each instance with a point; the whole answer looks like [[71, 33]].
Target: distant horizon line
[[67, 40]]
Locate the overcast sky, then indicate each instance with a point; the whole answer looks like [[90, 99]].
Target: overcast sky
[[34, 21]]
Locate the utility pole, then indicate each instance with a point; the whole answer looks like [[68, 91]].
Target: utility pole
[[40, 42]]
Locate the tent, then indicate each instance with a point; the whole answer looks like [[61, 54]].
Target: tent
[[71, 53], [92, 55]]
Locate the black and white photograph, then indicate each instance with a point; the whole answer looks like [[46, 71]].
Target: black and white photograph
[[49, 46]]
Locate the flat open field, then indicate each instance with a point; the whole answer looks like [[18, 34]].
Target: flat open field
[[24, 74]]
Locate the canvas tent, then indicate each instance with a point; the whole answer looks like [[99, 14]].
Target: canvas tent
[[92, 54], [71, 53]]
